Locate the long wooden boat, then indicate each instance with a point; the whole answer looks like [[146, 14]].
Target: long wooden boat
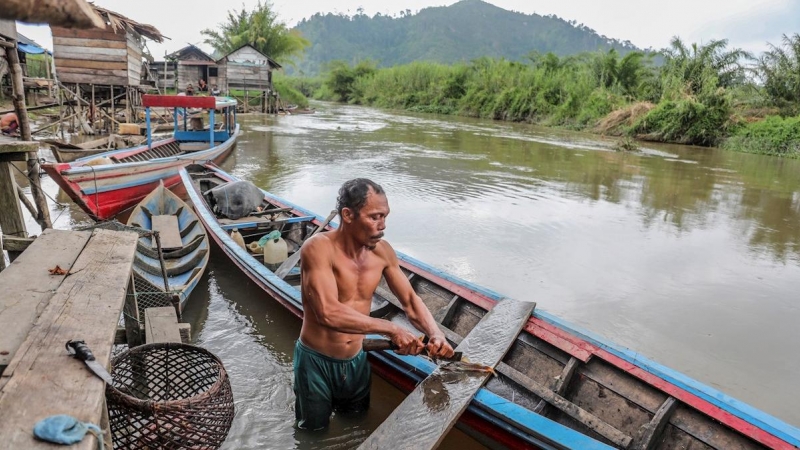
[[559, 387], [184, 244], [65, 152], [108, 183]]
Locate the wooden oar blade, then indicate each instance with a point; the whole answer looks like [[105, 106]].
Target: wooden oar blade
[[431, 410]]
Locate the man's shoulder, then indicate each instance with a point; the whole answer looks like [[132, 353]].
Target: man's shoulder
[[318, 243], [384, 250]]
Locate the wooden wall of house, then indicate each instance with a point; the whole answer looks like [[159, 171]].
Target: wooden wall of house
[[97, 57], [189, 74], [247, 76], [157, 70], [134, 42], [247, 68]]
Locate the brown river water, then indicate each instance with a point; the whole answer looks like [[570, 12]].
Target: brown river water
[[690, 256]]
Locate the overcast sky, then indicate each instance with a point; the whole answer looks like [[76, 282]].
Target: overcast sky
[[748, 24]]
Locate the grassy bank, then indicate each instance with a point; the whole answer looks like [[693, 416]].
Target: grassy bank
[[701, 95]]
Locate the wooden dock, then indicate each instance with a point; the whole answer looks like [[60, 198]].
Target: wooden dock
[[41, 309]]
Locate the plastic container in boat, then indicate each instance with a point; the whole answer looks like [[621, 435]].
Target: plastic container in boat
[[276, 251], [237, 237]]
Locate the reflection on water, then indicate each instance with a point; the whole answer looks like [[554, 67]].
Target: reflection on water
[[688, 255]]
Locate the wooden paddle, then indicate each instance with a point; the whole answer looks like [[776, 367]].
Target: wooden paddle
[[292, 261]]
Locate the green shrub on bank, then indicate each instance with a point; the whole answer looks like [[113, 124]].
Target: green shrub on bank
[[686, 121], [289, 94], [774, 135]]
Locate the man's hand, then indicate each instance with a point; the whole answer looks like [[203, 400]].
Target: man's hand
[[438, 347], [406, 342]]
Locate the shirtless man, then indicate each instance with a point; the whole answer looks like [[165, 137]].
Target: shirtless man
[[340, 271]]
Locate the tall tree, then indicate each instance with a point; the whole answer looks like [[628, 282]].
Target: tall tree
[[703, 67], [260, 28], [779, 69]]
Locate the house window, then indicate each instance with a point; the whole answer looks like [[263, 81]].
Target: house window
[[212, 71]]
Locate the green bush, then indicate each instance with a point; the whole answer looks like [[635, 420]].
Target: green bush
[[685, 121], [774, 135], [289, 94]]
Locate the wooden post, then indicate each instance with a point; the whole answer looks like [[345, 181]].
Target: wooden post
[[42, 210], [43, 215], [18, 92], [2, 256], [92, 112], [11, 220]]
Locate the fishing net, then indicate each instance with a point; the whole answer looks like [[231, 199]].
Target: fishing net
[[169, 396]]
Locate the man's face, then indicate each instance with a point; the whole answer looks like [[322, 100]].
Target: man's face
[[368, 226]]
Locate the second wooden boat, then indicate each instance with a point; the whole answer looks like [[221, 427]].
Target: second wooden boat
[[108, 183], [559, 387], [184, 245]]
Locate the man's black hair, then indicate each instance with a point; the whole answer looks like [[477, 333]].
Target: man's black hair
[[353, 194]]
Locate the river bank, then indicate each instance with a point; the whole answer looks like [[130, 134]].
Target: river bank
[[681, 102]]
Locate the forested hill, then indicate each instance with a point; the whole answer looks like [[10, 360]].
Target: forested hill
[[461, 32]]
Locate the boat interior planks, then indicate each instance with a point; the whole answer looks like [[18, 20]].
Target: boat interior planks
[[557, 385]]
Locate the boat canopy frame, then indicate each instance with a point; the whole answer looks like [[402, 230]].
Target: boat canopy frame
[[179, 104]]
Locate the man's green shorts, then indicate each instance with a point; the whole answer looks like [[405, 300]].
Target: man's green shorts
[[323, 384]]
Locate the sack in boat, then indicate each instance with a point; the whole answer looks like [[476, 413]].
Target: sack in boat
[[235, 200]]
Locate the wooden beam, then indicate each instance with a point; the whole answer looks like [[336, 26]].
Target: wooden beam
[[561, 383], [16, 244], [650, 432], [87, 42], [445, 315], [19, 146], [64, 63], [66, 13]]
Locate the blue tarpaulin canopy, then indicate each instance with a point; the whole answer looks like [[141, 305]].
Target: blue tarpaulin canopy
[[29, 46]]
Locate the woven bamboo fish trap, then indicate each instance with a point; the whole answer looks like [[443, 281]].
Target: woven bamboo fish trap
[[169, 396]]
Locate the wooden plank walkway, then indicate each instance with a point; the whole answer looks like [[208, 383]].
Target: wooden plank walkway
[[42, 379], [430, 411], [27, 285], [161, 325]]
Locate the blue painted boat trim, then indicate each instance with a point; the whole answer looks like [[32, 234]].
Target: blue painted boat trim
[[735, 407], [236, 226], [200, 136]]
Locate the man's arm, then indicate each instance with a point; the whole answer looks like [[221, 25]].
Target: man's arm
[[416, 311], [321, 298]]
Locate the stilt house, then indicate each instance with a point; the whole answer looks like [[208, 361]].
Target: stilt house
[[246, 68], [189, 65], [109, 56]]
